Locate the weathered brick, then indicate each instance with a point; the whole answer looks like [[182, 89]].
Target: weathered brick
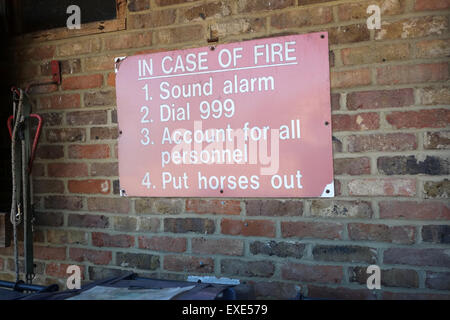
[[127, 41], [49, 253], [337, 145], [203, 11], [434, 95], [95, 151], [358, 10], [412, 28], [344, 253], [138, 5], [232, 247], [438, 280], [432, 49], [382, 187], [51, 119], [350, 78], [184, 225], [382, 142], [48, 186], [311, 273], [436, 118], [118, 205], [79, 47], [301, 18], [82, 82], [398, 165], [127, 224], [100, 63], [306, 229], [69, 67], [335, 101], [63, 202], [168, 244], [232, 207], [374, 54], [151, 20], [417, 257], [107, 169], [414, 210], [87, 117], [35, 53], [431, 5], [275, 290], [148, 224], [99, 273], [340, 293], [243, 268], [167, 206], [348, 34], [389, 277], [59, 270], [67, 170], [404, 74], [188, 264], [66, 135], [436, 189], [261, 228], [237, 27], [280, 249], [341, 209], [89, 255], [351, 166], [89, 186], [104, 133], [381, 233], [180, 34], [274, 208], [60, 101], [100, 239], [99, 98], [380, 99], [49, 152], [49, 219], [357, 122], [88, 221], [58, 236], [436, 234], [137, 260], [248, 6]]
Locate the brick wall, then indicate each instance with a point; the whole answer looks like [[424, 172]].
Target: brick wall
[[390, 104]]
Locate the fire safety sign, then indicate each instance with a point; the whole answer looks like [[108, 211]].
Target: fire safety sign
[[246, 119]]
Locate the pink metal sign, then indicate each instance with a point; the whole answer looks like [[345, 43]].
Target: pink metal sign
[[247, 119]]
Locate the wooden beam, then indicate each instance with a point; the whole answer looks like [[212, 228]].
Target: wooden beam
[[4, 230]]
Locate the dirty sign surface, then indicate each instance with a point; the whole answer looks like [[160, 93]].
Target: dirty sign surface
[[247, 119]]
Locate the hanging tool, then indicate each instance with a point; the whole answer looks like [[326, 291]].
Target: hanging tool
[[22, 156]]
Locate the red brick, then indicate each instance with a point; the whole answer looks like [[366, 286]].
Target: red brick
[[88, 255], [89, 186], [307, 229], [59, 270], [107, 169], [427, 210], [131, 40], [66, 135], [311, 273], [261, 228], [232, 207], [380, 99], [412, 28], [241, 268], [232, 247], [60, 101], [111, 80], [95, 151], [382, 142], [432, 48], [48, 186], [381, 233], [168, 244], [248, 6], [87, 117], [118, 205], [82, 82], [88, 221], [49, 253], [350, 78], [435, 118], [340, 293], [434, 95], [351, 166], [382, 187], [431, 5], [99, 98], [374, 54], [100, 239], [188, 264], [412, 73], [335, 101], [417, 257], [357, 122], [67, 170]]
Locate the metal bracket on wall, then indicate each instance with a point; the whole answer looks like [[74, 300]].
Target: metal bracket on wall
[[55, 68]]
